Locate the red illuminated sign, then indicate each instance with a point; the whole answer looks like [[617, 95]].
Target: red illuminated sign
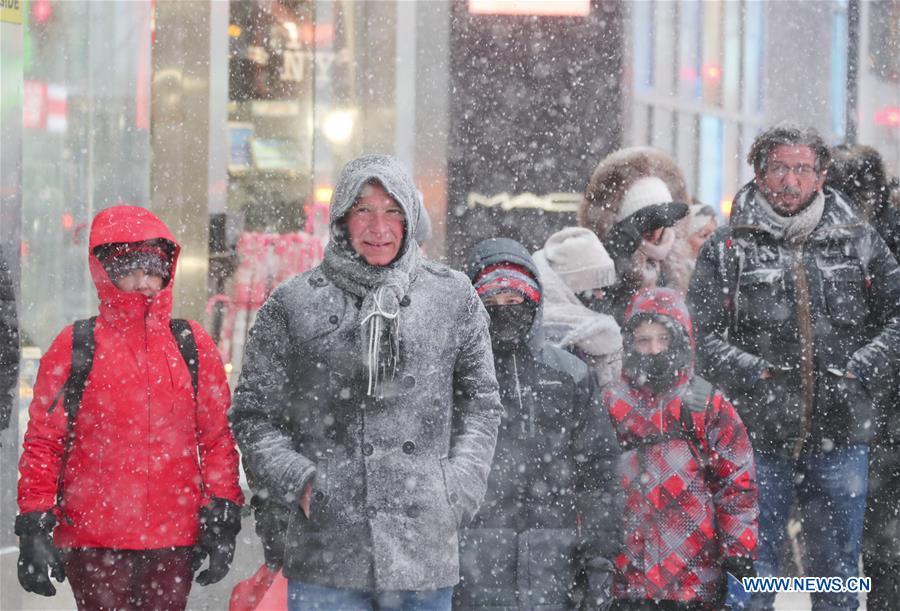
[[888, 116], [550, 8]]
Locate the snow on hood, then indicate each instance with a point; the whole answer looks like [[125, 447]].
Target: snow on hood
[[123, 224], [395, 179], [662, 302]]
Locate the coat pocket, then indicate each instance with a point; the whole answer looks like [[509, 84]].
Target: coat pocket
[[547, 566], [452, 490], [845, 293], [488, 566], [763, 299]]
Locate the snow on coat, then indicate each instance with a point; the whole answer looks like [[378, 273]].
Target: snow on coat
[[744, 297], [9, 344], [394, 475], [572, 326], [553, 468], [146, 456], [690, 499]]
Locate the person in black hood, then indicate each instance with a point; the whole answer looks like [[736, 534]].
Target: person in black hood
[[858, 172], [540, 536], [9, 344]]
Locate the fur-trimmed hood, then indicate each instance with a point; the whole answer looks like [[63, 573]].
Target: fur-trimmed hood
[[610, 181]]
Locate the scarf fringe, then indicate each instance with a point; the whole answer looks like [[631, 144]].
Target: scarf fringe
[[381, 323]]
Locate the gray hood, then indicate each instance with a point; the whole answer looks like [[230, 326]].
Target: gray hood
[[395, 179]]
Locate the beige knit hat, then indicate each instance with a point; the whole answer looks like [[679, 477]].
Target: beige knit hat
[[647, 191], [579, 259]]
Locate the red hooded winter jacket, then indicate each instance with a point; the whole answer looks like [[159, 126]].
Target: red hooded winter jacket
[[146, 457], [690, 498]]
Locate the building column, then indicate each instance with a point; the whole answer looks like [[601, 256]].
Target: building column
[[179, 141]]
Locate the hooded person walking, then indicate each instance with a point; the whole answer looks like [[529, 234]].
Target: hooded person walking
[[686, 470], [538, 540], [575, 271], [129, 473], [368, 406]]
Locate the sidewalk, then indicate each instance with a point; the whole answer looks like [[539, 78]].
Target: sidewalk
[[248, 559]]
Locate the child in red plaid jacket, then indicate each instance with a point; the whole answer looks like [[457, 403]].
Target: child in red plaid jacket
[[686, 468]]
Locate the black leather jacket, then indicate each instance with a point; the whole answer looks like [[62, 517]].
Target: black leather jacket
[[751, 296]]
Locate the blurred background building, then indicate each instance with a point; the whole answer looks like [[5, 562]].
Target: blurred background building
[[231, 119]]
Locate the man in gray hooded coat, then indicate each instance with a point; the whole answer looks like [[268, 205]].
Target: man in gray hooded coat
[[368, 404]]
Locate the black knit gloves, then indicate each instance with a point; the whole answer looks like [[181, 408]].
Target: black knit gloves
[[625, 236], [220, 523], [37, 554]]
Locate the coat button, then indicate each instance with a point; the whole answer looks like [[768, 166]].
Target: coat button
[[333, 319], [413, 511], [453, 497], [405, 301], [409, 447], [319, 496], [371, 512], [367, 449], [409, 382]]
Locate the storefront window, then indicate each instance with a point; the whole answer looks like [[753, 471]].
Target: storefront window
[[86, 146]]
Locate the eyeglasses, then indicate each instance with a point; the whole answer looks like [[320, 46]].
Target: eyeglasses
[[803, 172]]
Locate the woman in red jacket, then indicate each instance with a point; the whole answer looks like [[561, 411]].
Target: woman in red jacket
[[146, 485]]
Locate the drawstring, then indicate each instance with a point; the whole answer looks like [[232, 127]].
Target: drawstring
[[377, 319]]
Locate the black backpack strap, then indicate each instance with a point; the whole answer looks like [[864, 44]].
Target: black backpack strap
[[73, 389], [187, 346], [82, 361], [698, 398]]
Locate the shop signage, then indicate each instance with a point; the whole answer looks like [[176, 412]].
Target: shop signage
[[551, 202], [11, 11]]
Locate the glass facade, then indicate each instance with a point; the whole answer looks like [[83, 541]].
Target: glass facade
[[86, 146]]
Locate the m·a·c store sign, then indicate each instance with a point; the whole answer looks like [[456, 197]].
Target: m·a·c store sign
[[11, 11]]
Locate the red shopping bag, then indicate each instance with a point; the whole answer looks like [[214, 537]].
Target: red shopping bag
[[265, 591]]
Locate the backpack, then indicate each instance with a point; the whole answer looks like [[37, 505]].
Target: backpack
[[83, 361]]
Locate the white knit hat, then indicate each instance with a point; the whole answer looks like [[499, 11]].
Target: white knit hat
[[579, 259], [647, 191]]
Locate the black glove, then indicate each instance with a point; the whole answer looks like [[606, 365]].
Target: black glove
[[37, 554], [220, 522], [739, 566], [271, 525], [597, 572], [625, 236]]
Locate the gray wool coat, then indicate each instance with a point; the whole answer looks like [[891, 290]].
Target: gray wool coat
[[393, 477]]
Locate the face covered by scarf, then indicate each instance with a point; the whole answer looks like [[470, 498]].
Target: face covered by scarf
[[656, 372], [510, 324]]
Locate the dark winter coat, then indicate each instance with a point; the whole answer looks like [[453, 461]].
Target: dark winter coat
[[689, 482], [9, 345], [395, 476], [744, 297], [552, 471], [146, 455]]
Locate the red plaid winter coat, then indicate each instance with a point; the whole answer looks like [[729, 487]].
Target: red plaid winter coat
[[689, 481]]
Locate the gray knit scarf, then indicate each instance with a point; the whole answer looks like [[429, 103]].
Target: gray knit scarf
[[381, 289], [792, 229]]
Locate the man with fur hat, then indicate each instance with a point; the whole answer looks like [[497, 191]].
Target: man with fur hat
[[548, 504], [575, 271], [629, 204], [690, 515], [368, 406], [797, 309]]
